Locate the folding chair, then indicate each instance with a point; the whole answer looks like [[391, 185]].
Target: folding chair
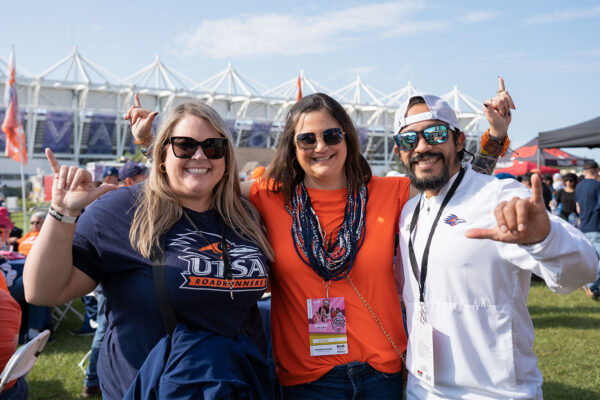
[[22, 361], [60, 312]]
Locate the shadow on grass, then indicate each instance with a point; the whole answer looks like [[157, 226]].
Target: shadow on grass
[[559, 391], [573, 317], [47, 389]]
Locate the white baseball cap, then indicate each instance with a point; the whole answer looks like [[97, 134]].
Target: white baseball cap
[[438, 109]]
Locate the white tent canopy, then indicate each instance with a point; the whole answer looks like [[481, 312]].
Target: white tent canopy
[[82, 89]]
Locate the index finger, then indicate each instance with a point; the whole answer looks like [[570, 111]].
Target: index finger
[[136, 100], [536, 189], [501, 84], [52, 160]]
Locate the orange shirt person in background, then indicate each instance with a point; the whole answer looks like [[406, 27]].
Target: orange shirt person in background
[[10, 321], [27, 241]]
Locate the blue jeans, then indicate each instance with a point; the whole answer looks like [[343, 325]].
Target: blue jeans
[[350, 381], [38, 317], [91, 375], [20, 391], [594, 238]]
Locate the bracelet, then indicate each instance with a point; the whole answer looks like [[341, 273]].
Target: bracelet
[[149, 139], [61, 217], [147, 152], [492, 146]]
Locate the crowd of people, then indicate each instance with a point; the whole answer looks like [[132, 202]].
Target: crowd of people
[[423, 279]]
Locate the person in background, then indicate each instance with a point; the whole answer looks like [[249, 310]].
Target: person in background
[[110, 175], [587, 198], [133, 172], [547, 192], [10, 320], [548, 181], [24, 244], [566, 197], [558, 182], [257, 172], [38, 317]]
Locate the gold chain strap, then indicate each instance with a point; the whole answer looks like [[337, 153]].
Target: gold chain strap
[[376, 318]]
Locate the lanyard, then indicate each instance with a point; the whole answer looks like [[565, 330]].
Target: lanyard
[[224, 249], [413, 224]]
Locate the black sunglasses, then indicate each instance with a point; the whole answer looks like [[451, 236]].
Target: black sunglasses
[[185, 147], [435, 134], [308, 140]]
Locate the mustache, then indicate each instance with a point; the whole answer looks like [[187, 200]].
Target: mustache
[[423, 156]]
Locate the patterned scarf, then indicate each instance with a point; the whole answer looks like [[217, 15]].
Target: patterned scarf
[[331, 260]]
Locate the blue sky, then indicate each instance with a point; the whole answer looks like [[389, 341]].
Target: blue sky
[[547, 51]]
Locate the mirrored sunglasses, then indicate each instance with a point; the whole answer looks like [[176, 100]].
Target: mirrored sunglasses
[[185, 147], [435, 134], [308, 140]]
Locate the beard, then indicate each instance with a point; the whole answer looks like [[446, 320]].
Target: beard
[[430, 182]]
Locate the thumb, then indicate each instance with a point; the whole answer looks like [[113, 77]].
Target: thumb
[[482, 233]]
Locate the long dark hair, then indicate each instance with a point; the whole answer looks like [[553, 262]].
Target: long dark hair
[[285, 171]]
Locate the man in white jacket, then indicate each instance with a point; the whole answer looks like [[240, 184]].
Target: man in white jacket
[[468, 245]]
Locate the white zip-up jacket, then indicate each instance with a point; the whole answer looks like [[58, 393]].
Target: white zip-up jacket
[[476, 291]]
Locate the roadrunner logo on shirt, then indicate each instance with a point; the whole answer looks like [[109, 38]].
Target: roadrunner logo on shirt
[[206, 269], [453, 220]]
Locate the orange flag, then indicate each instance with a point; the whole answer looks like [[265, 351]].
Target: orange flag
[[12, 125], [299, 89]]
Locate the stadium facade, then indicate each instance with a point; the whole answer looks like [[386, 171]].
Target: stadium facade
[[76, 107]]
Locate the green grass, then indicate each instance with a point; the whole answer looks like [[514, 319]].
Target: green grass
[[567, 343]]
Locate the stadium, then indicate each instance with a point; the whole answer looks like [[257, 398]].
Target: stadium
[[76, 106]]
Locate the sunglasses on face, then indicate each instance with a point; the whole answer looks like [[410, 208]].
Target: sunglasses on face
[[435, 134], [35, 222], [185, 147], [308, 140]]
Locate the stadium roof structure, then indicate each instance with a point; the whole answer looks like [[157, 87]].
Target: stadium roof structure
[[77, 106]]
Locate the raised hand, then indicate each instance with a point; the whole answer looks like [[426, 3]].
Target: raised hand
[[140, 121], [73, 187], [523, 221], [497, 111]]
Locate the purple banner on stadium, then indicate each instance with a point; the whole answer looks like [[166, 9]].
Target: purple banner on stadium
[[100, 139], [58, 130], [363, 134], [231, 126], [259, 134]]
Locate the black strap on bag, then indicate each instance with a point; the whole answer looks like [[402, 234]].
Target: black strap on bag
[[159, 276]]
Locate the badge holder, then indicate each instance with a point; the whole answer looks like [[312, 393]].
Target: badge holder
[[327, 325]]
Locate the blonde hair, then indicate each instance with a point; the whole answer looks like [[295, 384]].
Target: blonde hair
[[159, 208]]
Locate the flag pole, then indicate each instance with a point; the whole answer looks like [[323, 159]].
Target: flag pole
[[24, 204]]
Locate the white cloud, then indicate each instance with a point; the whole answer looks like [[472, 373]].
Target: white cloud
[[564, 15], [288, 34], [479, 16]]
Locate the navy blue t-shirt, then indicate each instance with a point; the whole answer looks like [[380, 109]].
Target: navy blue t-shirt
[[195, 280], [587, 194]]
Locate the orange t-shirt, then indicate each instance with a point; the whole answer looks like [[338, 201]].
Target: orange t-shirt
[[26, 242], [293, 282], [10, 321]]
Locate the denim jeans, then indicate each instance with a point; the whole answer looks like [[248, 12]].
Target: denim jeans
[[594, 238], [350, 381], [91, 375], [19, 391], [38, 317]]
